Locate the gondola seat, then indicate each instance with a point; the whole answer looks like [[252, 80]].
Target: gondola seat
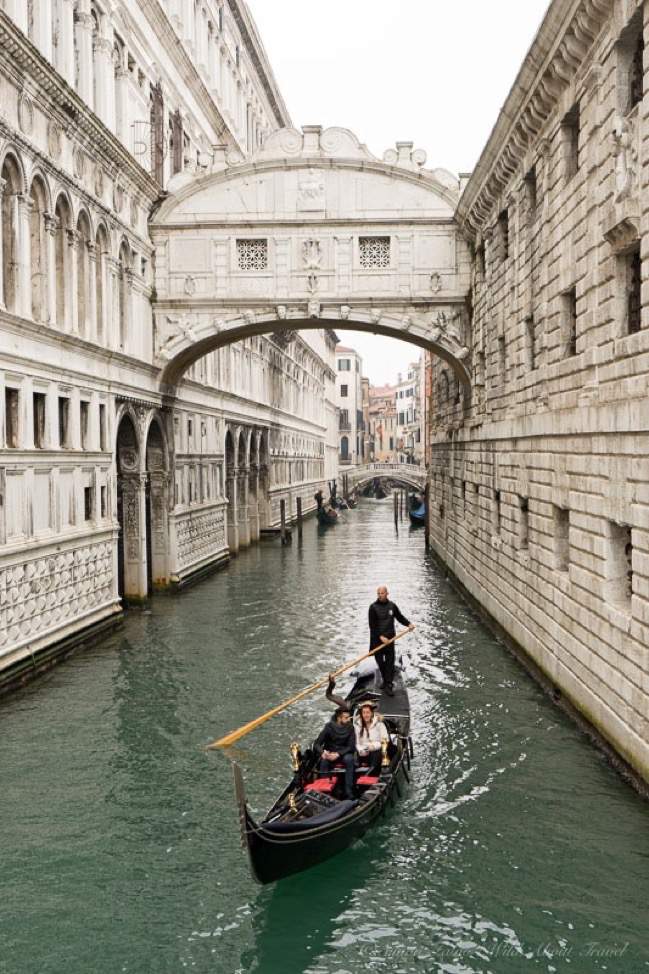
[[367, 780], [323, 785]]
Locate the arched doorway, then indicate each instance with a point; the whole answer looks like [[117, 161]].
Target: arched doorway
[[130, 512]]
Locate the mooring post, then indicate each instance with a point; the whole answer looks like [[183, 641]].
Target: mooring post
[[427, 515], [396, 510], [282, 519], [298, 502]]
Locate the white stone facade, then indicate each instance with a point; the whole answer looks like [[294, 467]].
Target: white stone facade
[[108, 485], [540, 503]]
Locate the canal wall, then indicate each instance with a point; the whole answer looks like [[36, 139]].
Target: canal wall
[[539, 499]]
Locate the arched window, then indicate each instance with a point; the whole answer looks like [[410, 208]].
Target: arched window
[[10, 188], [344, 448], [38, 249], [123, 293], [83, 276], [101, 249], [63, 263]]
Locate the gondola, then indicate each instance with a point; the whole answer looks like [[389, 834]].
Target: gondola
[[418, 516], [325, 517], [307, 825]]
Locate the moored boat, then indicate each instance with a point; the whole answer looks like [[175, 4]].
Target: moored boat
[[418, 516], [311, 820]]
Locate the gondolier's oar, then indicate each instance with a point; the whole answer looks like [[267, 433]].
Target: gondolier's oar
[[242, 731]]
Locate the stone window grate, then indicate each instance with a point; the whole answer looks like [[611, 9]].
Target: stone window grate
[[252, 255], [374, 252]]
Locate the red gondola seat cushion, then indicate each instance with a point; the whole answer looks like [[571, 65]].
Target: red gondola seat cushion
[[367, 779], [325, 785]]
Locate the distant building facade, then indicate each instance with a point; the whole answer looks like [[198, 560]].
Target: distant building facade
[[382, 424], [349, 399], [410, 418]]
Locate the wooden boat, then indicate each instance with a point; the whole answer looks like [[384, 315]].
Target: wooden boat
[[326, 517], [418, 516], [307, 825]]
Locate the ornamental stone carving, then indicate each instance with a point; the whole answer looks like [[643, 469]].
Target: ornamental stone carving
[[311, 192], [312, 254], [625, 150], [25, 113], [54, 139]]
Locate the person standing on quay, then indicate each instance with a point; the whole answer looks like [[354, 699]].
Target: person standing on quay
[[382, 614]]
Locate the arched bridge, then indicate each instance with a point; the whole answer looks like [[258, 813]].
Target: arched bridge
[[407, 473], [312, 231]]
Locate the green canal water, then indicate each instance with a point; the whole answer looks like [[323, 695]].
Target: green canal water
[[516, 848]]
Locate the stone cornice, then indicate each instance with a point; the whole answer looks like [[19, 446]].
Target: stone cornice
[[567, 33], [65, 105], [260, 61]]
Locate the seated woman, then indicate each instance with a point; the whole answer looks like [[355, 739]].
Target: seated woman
[[337, 742], [369, 729], [371, 732]]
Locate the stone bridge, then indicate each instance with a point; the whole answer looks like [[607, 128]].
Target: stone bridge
[[407, 473], [312, 231]]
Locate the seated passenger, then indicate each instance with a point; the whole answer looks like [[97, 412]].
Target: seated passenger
[[370, 734], [337, 742]]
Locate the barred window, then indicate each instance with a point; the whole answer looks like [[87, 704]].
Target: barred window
[[374, 251], [252, 255]]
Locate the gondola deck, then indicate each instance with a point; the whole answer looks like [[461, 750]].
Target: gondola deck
[[305, 827]]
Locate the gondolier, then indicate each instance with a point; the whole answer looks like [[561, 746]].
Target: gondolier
[[382, 614]]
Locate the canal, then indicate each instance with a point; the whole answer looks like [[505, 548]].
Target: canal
[[517, 848]]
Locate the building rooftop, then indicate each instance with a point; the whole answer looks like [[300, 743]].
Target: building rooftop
[[343, 348]]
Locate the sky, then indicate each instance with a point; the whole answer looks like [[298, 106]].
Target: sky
[[425, 71]]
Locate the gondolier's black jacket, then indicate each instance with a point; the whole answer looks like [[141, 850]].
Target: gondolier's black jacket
[[337, 737], [382, 616]]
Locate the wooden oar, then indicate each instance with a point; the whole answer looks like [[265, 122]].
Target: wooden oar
[[246, 728]]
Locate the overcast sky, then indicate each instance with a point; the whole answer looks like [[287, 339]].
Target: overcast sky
[[430, 72]]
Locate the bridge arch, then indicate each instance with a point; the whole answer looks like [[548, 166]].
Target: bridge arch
[[312, 232]]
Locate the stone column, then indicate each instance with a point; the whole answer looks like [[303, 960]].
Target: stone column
[[44, 28], [105, 87], [133, 488], [50, 256], [121, 101], [66, 41], [233, 524], [72, 311], [83, 38], [3, 187], [244, 523], [91, 293], [253, 504], [24, 276]]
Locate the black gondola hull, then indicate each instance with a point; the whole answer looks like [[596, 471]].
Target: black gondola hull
[[274, 857]]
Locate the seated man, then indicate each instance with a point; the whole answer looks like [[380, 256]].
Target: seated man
[[337, 742]]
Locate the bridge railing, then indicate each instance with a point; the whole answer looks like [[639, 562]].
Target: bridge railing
[[412, 471]]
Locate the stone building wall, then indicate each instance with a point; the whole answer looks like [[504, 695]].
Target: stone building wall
[[540, 503], [103, 489]]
